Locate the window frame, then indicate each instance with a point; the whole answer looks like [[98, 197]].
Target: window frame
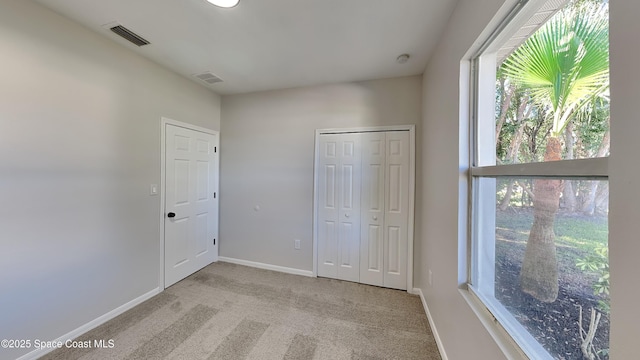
[[482, 170]]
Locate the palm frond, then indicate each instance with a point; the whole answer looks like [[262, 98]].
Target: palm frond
[[566, 62]]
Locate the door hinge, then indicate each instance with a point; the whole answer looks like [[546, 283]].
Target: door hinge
[[215, 149], [214, 195], [214, 241]]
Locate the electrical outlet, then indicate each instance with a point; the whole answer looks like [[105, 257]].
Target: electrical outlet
[[430, 278], [296, 244]]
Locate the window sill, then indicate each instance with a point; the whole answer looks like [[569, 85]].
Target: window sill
[[504, 341]]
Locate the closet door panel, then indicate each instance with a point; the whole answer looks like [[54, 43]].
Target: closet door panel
[[396, 212], [339, 206], [349, 151], [372, 221], [328, 191]]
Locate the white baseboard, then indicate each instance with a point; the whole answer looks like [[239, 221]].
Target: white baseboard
[[92, 324], [443, 354], [258, 265]]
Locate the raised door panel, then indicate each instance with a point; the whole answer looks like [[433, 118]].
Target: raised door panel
[[177, 252], [203, 180], [202, 234], [180, 174]]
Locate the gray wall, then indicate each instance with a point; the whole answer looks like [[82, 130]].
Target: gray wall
[[462, 334], [267, 153], [79, 146]]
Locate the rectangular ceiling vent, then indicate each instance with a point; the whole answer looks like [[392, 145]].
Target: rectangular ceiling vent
[[208, 78], [129, 35]]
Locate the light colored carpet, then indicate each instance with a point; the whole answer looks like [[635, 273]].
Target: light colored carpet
[[228, 311]]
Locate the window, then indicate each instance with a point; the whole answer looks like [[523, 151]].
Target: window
[[540, 146]]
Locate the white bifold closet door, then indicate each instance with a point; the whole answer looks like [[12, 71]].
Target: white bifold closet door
[[363, 204], [339, 207]]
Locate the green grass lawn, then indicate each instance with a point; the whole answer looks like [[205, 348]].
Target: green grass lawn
[[578, 232]]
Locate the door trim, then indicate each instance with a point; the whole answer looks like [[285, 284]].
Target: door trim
[[412, 188], [163, 138]]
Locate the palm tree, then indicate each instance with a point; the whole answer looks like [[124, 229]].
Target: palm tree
[[563, 66]]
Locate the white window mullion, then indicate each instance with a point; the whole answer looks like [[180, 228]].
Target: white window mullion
[[596, 168]]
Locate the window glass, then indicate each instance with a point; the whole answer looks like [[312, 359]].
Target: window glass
[[581, 255], [555, 86]]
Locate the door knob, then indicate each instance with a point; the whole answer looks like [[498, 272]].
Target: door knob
[[375, 218], [171, 215], [346, 215]]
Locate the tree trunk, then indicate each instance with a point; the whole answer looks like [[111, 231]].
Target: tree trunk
[[602, 199], [539, 273], [527, 191], [504, 204], [589, 204], [568, 194], [514, 148], [507, 94]]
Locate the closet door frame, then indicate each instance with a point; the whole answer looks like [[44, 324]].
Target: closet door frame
[[412, 188]]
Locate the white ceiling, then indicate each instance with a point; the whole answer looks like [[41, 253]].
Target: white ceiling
[[274, 44]]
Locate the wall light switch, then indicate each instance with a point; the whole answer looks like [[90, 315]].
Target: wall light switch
[[296, 244], [153, 189]]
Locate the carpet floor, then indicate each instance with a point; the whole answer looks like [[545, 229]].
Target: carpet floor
[[227, 311]]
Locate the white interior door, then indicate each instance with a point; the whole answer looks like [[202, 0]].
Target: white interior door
[[339, 206], [396, 214], [191, 205]]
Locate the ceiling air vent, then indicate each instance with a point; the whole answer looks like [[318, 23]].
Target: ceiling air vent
[[129, 35], [208, 78]]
